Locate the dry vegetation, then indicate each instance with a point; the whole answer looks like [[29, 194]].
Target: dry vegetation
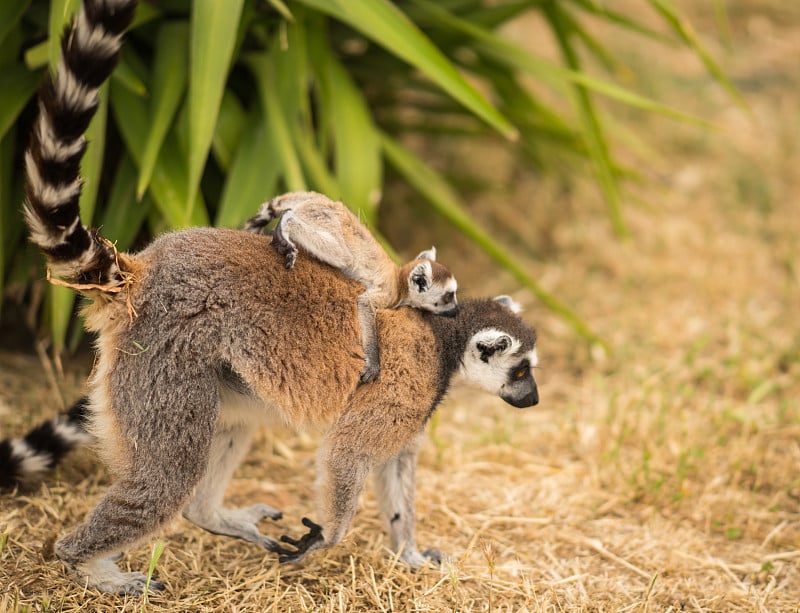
[[664, 476]]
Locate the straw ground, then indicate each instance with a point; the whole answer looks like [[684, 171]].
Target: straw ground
[[662, 476]]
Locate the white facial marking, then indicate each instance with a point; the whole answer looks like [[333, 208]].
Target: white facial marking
[[492, 373]]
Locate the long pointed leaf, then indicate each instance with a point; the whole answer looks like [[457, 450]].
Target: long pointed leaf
[[124, 215], [9, 220], [384, 23], [442, 197], [11, 12], [684, 29], [213, 39], [17, 85], [509, 54], [231, 123], [264, 71], [169, 182], [357, 148], [593, 131], [252, 177], [168, 87]]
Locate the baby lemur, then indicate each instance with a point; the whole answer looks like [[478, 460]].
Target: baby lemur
[[331, 233], [204, 334]]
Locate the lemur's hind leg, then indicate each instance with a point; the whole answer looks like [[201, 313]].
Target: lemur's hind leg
[[164, 458], [205, 509], [395, 482], [369, 337]]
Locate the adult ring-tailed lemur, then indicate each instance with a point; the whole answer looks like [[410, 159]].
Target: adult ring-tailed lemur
[[229, 337]]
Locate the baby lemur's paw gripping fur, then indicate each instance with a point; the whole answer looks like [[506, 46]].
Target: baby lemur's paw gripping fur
[[301, 545], [371, 371]]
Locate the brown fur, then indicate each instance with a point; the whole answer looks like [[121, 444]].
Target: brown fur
[[327, 230]]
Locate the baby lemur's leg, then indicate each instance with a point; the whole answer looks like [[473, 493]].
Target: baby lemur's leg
[[281, 241], [395, 482], [165, 449], [369, 336], [205, 509]]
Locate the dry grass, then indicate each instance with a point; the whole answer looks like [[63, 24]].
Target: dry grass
[[663, 477]]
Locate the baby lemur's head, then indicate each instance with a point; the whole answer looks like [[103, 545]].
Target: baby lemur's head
[[429, 285]]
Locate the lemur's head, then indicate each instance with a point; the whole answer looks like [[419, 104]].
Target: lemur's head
[[501, 354], [431, 287]]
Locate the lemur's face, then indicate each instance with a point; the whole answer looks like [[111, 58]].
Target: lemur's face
[[497, 362], [432, 288]]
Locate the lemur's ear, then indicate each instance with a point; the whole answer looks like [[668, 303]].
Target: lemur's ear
[[509, 303], [420, 278], [490, 346], [428, 254]]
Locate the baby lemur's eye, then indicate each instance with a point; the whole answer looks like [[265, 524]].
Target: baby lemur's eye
[[521, 372], [448, 297]]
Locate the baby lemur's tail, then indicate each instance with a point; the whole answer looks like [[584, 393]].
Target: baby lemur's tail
[[67, 102]]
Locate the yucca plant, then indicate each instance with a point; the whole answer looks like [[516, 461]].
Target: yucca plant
[[220, 104]]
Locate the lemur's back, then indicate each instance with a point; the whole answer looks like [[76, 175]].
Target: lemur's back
[[234, 303]]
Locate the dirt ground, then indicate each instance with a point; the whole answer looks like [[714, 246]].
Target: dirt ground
[[663, 475]]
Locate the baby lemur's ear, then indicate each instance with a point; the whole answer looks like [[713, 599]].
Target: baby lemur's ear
[[428, 254], [421, 277], [509, 303]]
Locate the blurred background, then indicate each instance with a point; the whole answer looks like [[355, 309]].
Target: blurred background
[[627, 170]]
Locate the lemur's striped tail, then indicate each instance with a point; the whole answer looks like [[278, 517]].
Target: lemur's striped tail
[[90, 49], [44, 446]]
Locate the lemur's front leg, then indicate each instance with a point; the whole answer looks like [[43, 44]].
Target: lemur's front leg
[[395, 482], [342, 473]]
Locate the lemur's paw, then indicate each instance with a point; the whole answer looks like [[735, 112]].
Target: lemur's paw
[[416, 559], [370, 373], [307, 543], [103, 575], [291, 258]]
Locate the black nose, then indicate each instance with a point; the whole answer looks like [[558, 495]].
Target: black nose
[[523, 402]]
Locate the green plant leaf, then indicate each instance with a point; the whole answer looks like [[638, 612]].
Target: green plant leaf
[[9, 220], [685, 31], [11, 11], [17, 85], [509, 54], [264, 71], [384, 23], [279, 6], [169, 183], [214, 27], [231, 123], [252, 177], [357, 149], [125, 75], [168, 87], [443, 198], [124, 215], [593, 132]]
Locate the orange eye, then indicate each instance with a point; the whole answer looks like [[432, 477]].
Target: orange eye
[[521, 373]]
